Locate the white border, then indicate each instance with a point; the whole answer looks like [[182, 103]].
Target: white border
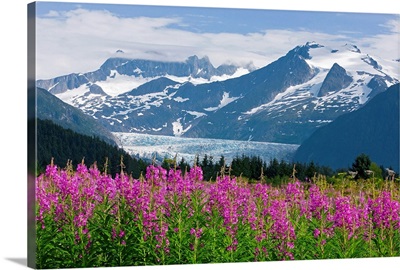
[[14, 133]]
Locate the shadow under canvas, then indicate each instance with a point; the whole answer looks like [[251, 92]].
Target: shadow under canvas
[[20, 261]]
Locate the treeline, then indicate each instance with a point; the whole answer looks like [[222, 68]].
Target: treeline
[[252, 168], [64, 145]]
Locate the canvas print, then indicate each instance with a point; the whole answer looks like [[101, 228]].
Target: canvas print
[[164, 135]]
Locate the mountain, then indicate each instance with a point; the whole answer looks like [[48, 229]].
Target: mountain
[[305, 89], [51, 108], [372, 130], [118, 75], [284, 102]]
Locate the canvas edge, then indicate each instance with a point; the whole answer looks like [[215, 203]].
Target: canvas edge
[[32, 138]]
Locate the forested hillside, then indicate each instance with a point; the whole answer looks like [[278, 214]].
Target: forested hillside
[[63, 145]]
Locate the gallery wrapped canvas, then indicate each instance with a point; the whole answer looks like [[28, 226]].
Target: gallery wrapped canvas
[[170, 135]]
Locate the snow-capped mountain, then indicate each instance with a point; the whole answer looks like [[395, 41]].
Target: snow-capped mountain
[[284, 101], [118, 75], [335, 81]]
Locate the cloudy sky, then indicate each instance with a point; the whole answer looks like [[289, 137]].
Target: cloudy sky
[[73, 37]]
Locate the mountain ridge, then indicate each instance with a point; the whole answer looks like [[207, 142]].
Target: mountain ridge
[[136, 71], [284, 101]]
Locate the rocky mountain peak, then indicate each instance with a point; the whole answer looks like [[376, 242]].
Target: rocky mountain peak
[[335, 80]]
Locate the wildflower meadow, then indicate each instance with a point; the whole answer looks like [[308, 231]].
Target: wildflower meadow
[[88, 218]]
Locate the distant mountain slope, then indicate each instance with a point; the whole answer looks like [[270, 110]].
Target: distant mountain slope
[[373, 130], [51, 108]]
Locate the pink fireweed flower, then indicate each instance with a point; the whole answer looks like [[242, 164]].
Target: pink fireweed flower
[[156, 174], [195, 173], [94, 171], [231, 248], [77, 237], [80, 220], [197, 233], [385, 211], [104, 187], [317, 232], [294, 193], [161, 237], [282, 229], [261, 194], [82, 169], [113, 233], [88, 245], [174, 176], [346, 216], [51, 170], [318, 202]]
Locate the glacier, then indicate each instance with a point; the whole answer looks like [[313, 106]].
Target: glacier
[[159, 147]]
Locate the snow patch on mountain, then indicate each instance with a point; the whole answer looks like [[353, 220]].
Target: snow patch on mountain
[[226, 99], [178, 129], [53, 86], [117, 84], [70, 95], [345, 57], [148, 100], [292, 94], [181, 99], [239, 72], [196, 114], [196, 81]]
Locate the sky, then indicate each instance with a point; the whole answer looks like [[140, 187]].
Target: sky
[[79, 37]]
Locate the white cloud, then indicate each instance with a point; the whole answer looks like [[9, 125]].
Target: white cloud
[[385, 46], [81, 40], [52, 13]]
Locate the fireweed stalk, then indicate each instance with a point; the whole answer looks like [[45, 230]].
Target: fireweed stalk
[[86, 218]]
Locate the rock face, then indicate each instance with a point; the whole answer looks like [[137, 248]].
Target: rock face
[[336, 80]]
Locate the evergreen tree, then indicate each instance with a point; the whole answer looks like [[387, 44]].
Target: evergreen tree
[[208, 168], [361, 164], [183, 166]]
